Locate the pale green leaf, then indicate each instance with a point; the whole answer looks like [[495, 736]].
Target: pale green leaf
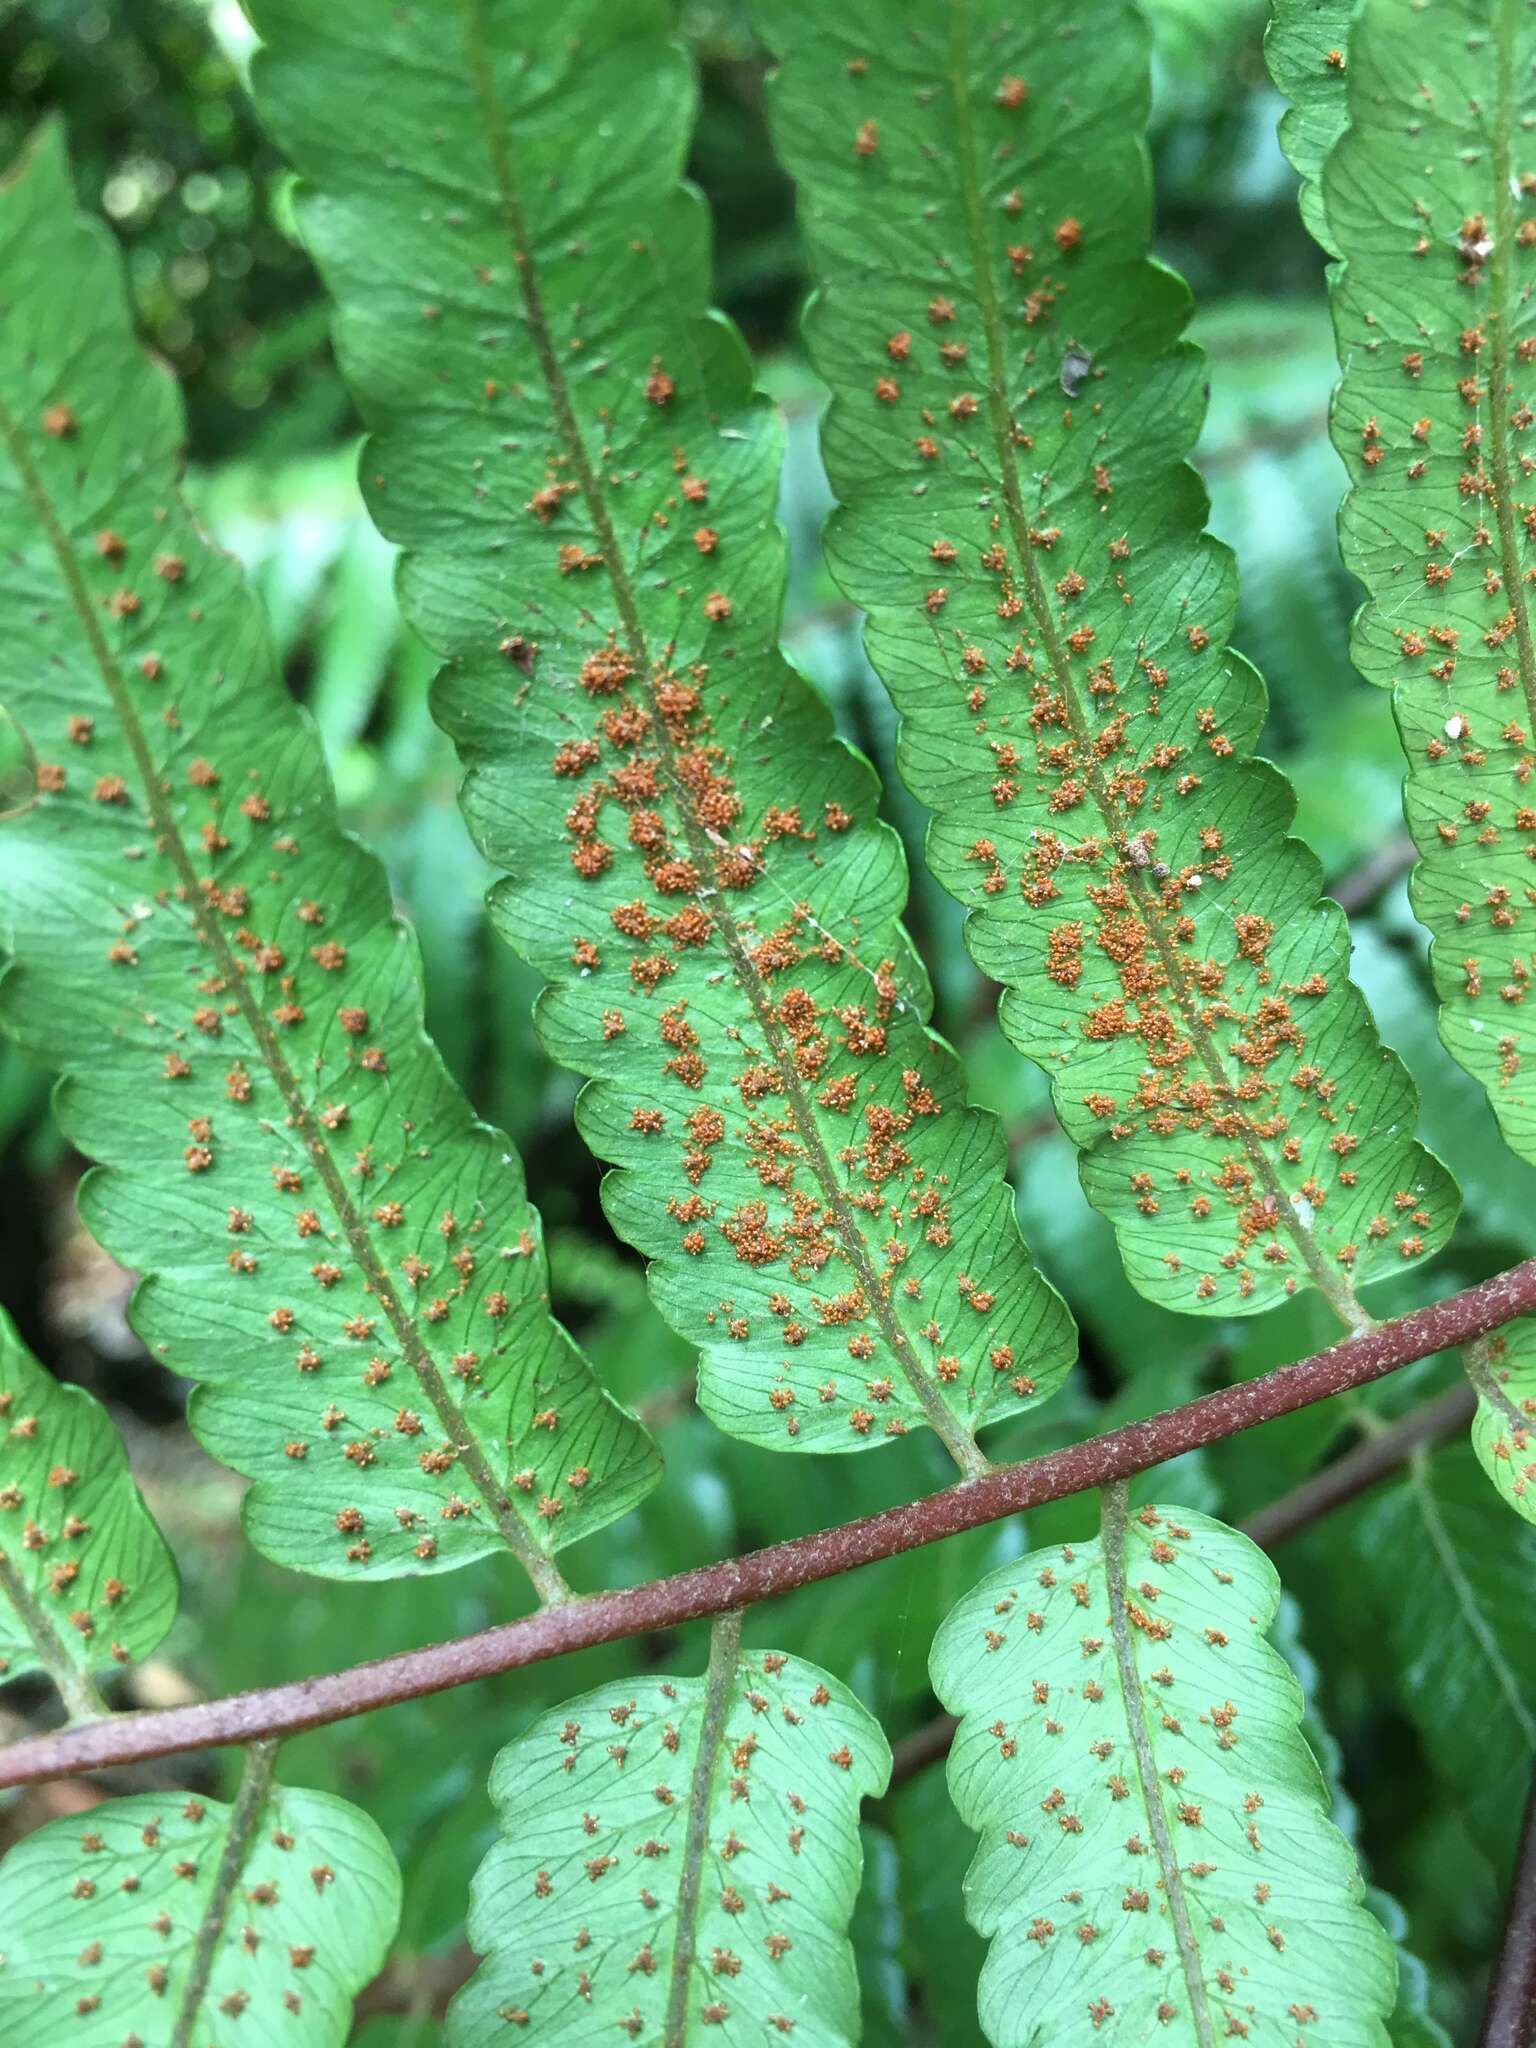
[[1431, 201], [1307, 49], [678, 1862], [86, 1582], [1011, 407], [340, 1255], [1156, 1860], [174, 1922], [1410, 2024], [1504, 1427], [571, 456]]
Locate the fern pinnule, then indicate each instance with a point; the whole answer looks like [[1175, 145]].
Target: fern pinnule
[[567, 447], [1012, 405], [333, 1248]]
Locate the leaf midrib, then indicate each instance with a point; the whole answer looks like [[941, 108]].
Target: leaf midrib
[[245, 1817], [955, 1436], [545, 1575], [75, 1689], [724, 1649], [1116, 1510], [1334, 1288]]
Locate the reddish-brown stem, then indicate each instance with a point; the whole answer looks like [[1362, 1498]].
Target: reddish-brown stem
[[1510, 2018], [762, 1574], [1305, 1504]]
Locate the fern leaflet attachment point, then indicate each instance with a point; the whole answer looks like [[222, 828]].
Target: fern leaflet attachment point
[[1156, 1859], [170, 1919], [1502, 1369]]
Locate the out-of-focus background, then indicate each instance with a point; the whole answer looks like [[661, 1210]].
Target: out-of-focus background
[[166, 146]]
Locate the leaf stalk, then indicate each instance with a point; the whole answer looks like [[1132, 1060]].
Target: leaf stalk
[[782, 1567]]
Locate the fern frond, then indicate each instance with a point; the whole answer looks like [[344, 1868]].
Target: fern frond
[[86, 1582], [1306, 47], [567, 446], [1430, 204], [184, 1922], [1011, 409], [1156, 1860], [335, 1250], [678, 1862]]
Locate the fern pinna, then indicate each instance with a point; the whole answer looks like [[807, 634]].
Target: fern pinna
[[1011, 408], [86, 1582], [569, 451], [1428, 418], [334, 1248], [1427, 200], [1079, 1738], [566, 445]]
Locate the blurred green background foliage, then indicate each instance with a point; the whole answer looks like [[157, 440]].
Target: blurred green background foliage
[[167, 147]]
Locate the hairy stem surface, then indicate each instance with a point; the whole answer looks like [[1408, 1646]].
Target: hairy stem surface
[[804, 1560]]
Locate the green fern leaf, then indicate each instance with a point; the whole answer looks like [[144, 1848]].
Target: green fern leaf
[[678, 1863], [1156, 1860], [1503, 1370], [1011, 408], [1432, 206], [1307, 49], [336, 1251], [86, 1582], [1410, 2025], [568, 449], [175, 1922]]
